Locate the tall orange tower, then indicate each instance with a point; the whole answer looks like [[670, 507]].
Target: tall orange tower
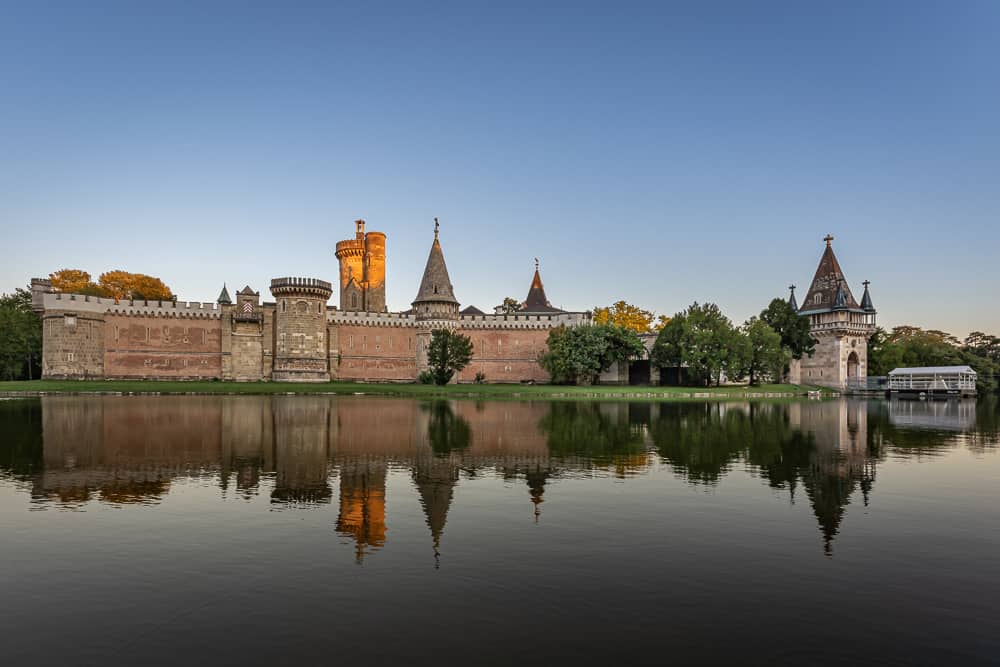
[[362, 271]]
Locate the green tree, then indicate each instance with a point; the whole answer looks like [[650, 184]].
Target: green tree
[[509, 306], [579, 355], [20, 337], [909, 346], [701, 338], [449, 352], [791, 327], [762, 352]]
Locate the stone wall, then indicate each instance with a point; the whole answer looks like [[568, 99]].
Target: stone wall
[[72, 344], [300, 344]]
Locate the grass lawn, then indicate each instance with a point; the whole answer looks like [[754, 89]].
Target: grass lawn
[[416, 390]]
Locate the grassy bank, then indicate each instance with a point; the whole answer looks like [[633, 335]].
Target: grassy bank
[[416, 390]]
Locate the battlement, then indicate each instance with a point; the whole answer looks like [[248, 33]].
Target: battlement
[[94, 304], [295, 285], [513, 321], [371, 319], [350, 247], [524, 321]]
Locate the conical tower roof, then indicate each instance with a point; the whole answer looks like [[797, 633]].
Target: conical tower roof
[[866, 299], [791, 298], [436, 284], [537, 302], [224, 296], [827, 283]]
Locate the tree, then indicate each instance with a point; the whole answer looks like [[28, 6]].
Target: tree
[[579, 355], [701, 338], [790, 326], [449, 352], [661, 321], [509, 306], [910, 346], [70, 281], [625, 315], [20, 337], [125, 285], [761, 352]]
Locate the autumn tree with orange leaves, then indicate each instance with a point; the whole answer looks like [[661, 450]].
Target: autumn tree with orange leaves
[[113, 284]]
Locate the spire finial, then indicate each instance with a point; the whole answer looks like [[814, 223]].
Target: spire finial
[[437, 225], [791, 288], [829, 239], [866, 283], [536, 264]]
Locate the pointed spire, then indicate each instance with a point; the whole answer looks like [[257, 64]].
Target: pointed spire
[[866, 299], [537, 302], [224, 296], [840, 302], [436, 284], [791, 298], [827, 284]]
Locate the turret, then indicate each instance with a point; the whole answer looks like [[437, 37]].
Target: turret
[[362, 270], [436, 299], [301, 353]]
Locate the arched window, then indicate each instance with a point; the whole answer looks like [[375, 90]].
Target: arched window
[[818, 298]]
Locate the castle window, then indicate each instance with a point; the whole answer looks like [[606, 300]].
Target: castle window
[[147, 334], [69, 321], [116, 333], [284, 305], [818, 298], [70, 356], [354, 301], [350, 341]]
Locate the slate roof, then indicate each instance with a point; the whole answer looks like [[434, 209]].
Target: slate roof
[[866, 300], [471, 310], [828, 282], [537, 302], [436, 284], [224, 296], [246, 291]]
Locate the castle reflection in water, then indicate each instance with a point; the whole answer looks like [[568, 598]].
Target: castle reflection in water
[[68, 451]]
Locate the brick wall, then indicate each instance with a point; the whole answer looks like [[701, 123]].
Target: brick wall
[[144, 346]]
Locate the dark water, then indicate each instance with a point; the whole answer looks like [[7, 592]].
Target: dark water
[[270, 530]]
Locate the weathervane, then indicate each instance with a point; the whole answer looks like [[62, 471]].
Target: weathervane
[[536, 264], [436, 226], [829, 239]]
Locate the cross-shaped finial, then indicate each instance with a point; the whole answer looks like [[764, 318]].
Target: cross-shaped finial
[[436, 226], [791, 288], [866, 283], [829, 239], [536, 264]]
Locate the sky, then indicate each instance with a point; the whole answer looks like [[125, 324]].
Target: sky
[[660, 153]]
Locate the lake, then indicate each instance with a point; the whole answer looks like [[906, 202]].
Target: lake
[[264, 530]]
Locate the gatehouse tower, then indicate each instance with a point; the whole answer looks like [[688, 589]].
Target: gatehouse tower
[[840, 326]]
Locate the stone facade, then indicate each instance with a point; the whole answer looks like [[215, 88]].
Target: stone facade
[[297, 337], [840, 326]]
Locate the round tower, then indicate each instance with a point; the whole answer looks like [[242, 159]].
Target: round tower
[[374, 272], [300, 341], [351, 256]]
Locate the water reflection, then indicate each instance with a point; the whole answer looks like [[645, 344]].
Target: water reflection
[[68, 451]]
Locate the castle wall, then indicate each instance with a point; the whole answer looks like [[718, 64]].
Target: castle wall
[[300, 343], [365, 352], [148, 345], [506, 355]]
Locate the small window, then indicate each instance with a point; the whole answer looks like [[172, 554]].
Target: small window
[[818, 298]]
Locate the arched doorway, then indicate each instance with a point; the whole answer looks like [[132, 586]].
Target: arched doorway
[[852, 365]]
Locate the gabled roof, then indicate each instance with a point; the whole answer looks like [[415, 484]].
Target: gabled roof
[[246, 291], [828, 282], [471, 310], [537, 302], [224, 296], [436, 284]]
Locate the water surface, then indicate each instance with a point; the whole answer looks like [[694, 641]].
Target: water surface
[[264, 530]]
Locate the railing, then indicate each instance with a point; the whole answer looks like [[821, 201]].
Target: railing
[[870, 383]]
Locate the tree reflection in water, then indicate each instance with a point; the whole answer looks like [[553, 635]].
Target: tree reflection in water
[[69, 451]]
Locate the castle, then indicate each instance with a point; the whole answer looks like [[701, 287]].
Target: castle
[[297, 337]]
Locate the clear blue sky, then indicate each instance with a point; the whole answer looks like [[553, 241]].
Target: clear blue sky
[[659, 153]]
